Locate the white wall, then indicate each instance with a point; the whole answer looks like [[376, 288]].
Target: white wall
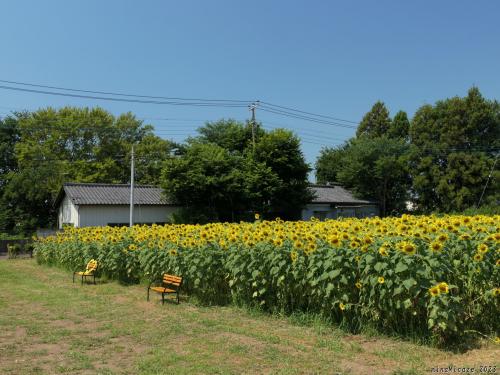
[[308, 211], [68, 213], [101, 215]]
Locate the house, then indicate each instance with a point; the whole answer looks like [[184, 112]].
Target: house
[[84, 205], [333, 202]]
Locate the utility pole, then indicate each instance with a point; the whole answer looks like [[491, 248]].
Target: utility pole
[[132, 188], [488, 180], [252, 108]]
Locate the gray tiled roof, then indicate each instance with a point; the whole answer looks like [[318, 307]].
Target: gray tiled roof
[[113, 194], [335, 194]]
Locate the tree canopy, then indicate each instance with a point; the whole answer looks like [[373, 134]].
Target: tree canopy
[[45, 148], [454, 144], [376, 122], [440, 160], [222, 174]]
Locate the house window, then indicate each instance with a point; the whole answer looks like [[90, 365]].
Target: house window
[[321, 215]]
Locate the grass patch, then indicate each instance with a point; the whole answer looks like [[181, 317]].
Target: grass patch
[[50, 325]]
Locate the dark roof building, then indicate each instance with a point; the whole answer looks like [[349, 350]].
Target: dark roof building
[[334, 201], [335, 194], [83, 205], [111, 194]]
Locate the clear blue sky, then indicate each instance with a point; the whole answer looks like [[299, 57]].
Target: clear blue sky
[[329, 57]]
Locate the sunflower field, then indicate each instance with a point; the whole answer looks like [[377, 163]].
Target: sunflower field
[[413, 275]]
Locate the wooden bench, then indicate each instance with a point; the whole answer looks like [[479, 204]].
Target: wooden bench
[[170, 284], [90, 271]]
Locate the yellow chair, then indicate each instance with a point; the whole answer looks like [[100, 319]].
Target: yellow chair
[[90, 271]]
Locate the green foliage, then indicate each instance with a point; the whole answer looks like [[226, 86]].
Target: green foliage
[[399, 127], [373, 168], [220, 177], [375, 123], [206, 176], [14, 250], [453, 152], [453, 145], [229, 134], [7, 236], [280, 151], [329, 163], [9, 136], [48, 147]]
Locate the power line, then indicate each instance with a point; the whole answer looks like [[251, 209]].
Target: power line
[[196, 104], [278, 109], [310, 119], [305, 112], [124, 94]]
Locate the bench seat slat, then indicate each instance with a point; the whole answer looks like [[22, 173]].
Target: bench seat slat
[[161, 289]]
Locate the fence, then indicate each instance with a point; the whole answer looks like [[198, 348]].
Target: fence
[[5, 243]]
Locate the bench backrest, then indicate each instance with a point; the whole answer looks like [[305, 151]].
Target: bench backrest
[[172, 280]]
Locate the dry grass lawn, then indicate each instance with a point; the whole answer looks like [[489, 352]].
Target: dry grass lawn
[[49, 325]]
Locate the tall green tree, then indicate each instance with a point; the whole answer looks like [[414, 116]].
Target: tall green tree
[[374, 168], [221, 172], [229, 134], [454, 143], [206, 178], [151, 152], [400, 126], [376, 122], [280, 150], [9, 136], [329, 163]]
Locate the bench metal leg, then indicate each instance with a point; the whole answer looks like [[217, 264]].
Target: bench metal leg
[[163, 298]]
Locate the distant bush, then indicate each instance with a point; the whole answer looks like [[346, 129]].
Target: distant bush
[[483, 210], [6, 236], [14, 250]]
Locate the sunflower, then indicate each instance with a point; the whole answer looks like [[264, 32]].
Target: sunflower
[[358, 285], [443, 287], [294, 255], [443, 237], [354, 245], [478, 257], [381, 280], [465, 237], [436, 246], [383, 251], [496, 292], [482, 248], [341, 306], [498, 263], [367, 240], [334, 240], [434, 291], [173, 252], [408, 248]]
